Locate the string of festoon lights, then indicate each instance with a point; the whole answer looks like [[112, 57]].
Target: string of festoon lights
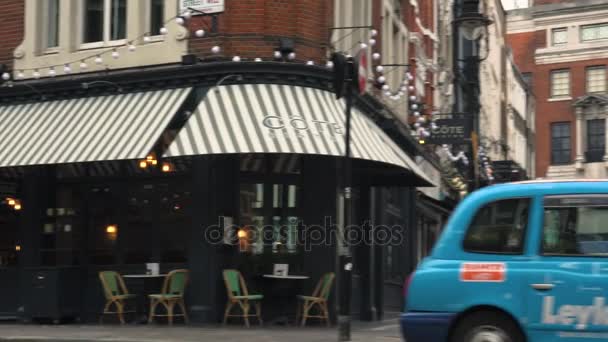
[[455, 158], [406, 89], [484, 161], [114, 52]]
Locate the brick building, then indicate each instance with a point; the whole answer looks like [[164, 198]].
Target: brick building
[[561, 47], [238, 109]]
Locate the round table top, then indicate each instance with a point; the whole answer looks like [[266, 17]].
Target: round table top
[[295, 277], [144, 275]]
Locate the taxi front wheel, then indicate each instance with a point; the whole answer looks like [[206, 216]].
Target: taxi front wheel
[[487, 326]]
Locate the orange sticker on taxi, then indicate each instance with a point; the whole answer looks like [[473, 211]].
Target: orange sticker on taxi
[[483, 272]]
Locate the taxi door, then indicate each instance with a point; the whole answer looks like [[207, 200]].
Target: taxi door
[[568, 279]]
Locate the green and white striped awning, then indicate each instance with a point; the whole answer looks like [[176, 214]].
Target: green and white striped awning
[[272, 118], [113, 127]]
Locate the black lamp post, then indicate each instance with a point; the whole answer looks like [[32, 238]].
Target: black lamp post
[[469, 27]]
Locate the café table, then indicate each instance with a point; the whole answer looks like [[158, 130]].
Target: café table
[[290, 287], [144, 285]]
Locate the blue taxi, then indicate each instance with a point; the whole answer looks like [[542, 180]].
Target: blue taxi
[[516, 262]]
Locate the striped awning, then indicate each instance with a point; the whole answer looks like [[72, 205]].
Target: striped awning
[[272, 118], [112, 127]]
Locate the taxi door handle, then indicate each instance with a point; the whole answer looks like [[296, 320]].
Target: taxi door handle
[[542, 287]]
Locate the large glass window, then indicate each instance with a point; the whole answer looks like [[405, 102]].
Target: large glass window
[[594, 32], [560, 83], [104, 20], [596, 140], [559, 36], [269, 204], [61, 240], [499, 228], [596, 79], [10, 246], [560, 143], [576, 225]]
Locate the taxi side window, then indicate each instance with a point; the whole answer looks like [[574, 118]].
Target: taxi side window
[[575, 225], [499, 227]]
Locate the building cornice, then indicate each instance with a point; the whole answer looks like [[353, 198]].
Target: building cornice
[[562, 55]]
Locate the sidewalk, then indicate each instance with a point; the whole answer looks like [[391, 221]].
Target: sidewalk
[[385, 331]]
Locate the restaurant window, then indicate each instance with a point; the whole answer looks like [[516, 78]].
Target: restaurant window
[[559, 36], [596, 79], [62, 228], [157, 16], [560, 83], [50, 19], [10, 245], [498, 228], [594, 32], [104, 21], [269, 204], [575, 225], [103, 214], [596, 140], [159, 211], [560, 143]]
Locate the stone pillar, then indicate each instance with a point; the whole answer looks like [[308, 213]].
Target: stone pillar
[[580, 156]]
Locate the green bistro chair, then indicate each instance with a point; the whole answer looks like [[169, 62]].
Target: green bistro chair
[[116, 293], [319, 298], [238, 294], [173, 290]]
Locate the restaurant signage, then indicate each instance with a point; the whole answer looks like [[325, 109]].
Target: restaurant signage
[[205, 6], [450, 131]]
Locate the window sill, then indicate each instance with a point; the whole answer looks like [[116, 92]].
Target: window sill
[[557, 99], [51, 51], [154, 39], [101, 45]]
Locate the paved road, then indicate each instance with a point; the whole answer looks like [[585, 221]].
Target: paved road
[[386, 331]]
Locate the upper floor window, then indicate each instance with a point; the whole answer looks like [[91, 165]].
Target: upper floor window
[[596, 140], [596, 79], [560, 143], [50, 18], [559, 36], [104, 21], [157, 17], [560, 83], [594, 32]]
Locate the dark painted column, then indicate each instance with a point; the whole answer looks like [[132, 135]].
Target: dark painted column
[[214, 189], [363, 253]]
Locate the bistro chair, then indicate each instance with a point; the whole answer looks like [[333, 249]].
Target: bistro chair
[[116, 293], [319, 299], [238, 294], [173, 290]]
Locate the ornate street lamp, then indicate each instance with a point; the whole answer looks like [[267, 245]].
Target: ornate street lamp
[[473, 25]]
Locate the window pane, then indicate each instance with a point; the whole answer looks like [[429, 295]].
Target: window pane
[[578, 229], [52, 39], [93, 21], [596, 80], [560, 143], [118, 20], [559, 36], [157, 9], [560, 83], [594, 32], [499, 227]]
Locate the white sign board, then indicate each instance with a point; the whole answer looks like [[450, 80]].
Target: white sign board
[[205, 6]]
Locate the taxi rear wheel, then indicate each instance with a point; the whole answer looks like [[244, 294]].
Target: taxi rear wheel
[[487, 326]]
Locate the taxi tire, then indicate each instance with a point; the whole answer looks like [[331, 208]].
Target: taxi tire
[[486, 318]]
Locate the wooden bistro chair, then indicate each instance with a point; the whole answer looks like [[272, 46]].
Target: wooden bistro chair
[[238, 294], [319, 299], [115, 293], [173, 290]]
